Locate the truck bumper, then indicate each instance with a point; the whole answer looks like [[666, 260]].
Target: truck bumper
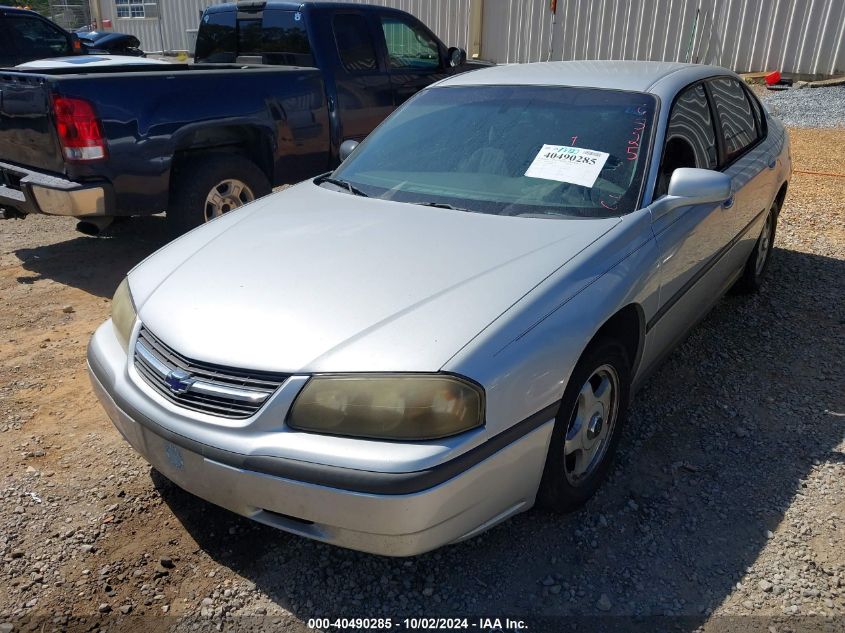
[[30, 191]]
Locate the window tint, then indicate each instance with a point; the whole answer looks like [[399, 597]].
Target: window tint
[[217, 40], [408, 45], [736, 119], [280, 38], [690, 120], [354, 42], [690, 138], [33, 38], [759, 115]]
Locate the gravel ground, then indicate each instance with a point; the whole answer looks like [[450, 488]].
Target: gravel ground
[[725, 510], [807, 107]]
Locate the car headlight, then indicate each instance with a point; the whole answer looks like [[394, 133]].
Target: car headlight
[[392, 407], [123, 313]]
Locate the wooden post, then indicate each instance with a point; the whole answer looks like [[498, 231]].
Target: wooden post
[[476, 27]]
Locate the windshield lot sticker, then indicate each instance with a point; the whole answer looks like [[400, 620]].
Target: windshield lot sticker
[[573, 165]]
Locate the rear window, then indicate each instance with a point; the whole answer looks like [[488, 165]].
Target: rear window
[[32, 38], [278, 37], [736, 118]]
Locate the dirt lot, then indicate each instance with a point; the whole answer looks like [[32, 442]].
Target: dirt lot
[[728, 498]]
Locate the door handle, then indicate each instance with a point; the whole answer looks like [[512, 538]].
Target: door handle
[[727, 204], [773, 163]]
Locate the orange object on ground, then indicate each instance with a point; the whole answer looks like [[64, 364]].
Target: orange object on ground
[[772, 78]]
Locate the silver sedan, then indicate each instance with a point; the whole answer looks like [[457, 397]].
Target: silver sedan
[[449, 327]]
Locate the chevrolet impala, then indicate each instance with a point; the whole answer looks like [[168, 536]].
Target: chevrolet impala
[[448, 328]]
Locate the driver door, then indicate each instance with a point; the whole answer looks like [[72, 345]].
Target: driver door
[[414, 56], [689, 239]]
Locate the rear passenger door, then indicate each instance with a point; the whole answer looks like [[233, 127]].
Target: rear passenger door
[[744, 156], [414, 56], [364, 91]]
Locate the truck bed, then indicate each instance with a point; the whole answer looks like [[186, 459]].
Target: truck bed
[[150, 112]]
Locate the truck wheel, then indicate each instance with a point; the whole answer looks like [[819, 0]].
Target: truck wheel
[[587, 427], [211, 186]]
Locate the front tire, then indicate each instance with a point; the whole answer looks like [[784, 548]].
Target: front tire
[[211, 186], [587, 428]]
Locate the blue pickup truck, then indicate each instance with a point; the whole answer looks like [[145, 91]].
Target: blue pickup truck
[[275, 89]]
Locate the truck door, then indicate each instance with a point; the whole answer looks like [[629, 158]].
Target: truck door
[[414, 55], [364, 91]]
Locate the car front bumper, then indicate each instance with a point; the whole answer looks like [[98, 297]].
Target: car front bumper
[[31, 191], [406, 524]]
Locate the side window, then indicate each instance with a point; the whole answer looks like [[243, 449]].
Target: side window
[[759, 115], [736, 119], [33, 38], [690, 137], [354, 42], [217, 40], [284, 40], [408, 45]]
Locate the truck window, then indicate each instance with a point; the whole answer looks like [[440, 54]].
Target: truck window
[[408, 45], [217, 40], [354, 42], [279, 37], [32, 38]]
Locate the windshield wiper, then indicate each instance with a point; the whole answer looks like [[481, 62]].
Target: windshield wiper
[[342, 184], [441, 205]]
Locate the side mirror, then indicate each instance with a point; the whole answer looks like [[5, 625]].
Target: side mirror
[[690, 186], [456, 57], [346, 148]]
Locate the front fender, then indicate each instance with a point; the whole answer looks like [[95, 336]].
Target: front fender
[[524, 358]]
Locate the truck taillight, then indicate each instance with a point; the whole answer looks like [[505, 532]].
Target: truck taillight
[[80, 132]]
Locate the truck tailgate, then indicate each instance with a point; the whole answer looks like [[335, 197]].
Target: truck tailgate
[[27, 134]]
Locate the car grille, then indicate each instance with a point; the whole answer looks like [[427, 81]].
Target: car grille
[[204, 387]]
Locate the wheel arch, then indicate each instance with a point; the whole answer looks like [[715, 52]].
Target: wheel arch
[[626, 325], [781, 195], [249, 141]]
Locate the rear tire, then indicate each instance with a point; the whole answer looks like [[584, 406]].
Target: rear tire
[[212, 185], [587, 428], [758, 262]]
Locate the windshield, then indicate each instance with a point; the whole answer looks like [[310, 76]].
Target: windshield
[[511, 150]]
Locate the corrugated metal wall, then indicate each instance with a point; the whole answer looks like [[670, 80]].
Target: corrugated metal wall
[[169, 33], [802, 36]]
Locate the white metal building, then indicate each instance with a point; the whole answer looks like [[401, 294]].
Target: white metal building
[[798, 36]]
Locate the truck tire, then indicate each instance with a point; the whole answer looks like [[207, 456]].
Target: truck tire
[[210, 186]]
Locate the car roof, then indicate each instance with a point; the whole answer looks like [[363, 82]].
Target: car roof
[[661, 78]]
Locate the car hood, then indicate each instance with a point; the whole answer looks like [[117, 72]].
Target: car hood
[[315, 280]]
